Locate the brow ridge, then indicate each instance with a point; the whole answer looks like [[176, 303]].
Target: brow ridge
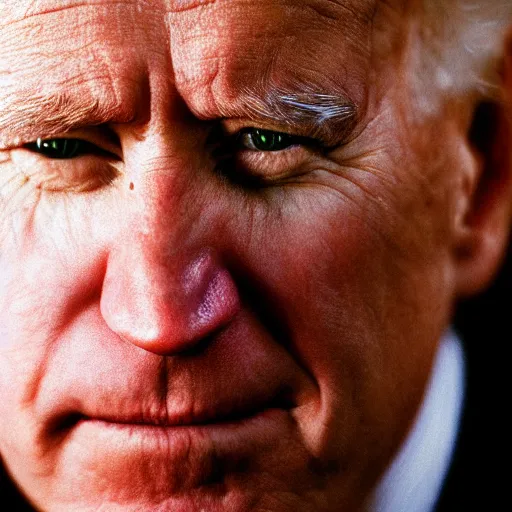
[[319, 112], [25, 116]]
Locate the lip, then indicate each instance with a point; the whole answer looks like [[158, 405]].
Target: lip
[[211, 417], [218, 415], [228, 423], [238, 378], [181, 458]]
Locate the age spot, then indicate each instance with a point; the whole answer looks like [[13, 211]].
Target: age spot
[[132, 186]]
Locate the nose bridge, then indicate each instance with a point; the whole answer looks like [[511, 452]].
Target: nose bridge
[[160, 209], [154, 246], [160, 171], [165, 288], [162, 198]]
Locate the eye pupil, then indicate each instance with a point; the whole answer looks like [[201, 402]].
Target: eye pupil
[[266, 140], [57, 148]]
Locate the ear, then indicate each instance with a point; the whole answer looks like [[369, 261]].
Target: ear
[[485, 229]]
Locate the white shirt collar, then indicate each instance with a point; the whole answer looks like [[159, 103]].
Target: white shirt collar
[[414, 480]]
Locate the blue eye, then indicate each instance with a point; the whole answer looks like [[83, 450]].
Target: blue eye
[[266, 140], [61, 149]]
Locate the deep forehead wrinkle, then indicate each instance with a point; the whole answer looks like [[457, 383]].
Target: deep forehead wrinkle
[[16, 10], [187, 5], [326, 8], [318, 65], [310, 108]]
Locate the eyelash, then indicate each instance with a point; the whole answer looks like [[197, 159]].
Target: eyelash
[[252, 157], [271, 138], [249, 166], [75, 146], [85, 174], [51, 145]]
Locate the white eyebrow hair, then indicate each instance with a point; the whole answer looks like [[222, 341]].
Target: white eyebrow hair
[[318, 113]]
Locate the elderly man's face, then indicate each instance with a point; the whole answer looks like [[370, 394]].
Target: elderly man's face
[[198, 312]]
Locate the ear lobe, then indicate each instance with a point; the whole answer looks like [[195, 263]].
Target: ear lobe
[[483, 239]]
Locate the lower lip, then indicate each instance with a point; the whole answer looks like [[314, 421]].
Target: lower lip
[[198, 448], [257, 422], [195, 467]]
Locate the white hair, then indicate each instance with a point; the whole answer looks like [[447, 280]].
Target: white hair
[[459, 49]]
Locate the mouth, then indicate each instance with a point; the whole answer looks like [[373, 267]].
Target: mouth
[[183, 452], [227, 415]]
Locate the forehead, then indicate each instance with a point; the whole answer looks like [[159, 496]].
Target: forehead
[[222, 46], [296, 37]]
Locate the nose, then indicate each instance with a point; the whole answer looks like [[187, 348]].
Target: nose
[[166, 305]]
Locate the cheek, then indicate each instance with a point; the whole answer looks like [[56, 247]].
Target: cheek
[[322, 255], [47, 268], [344, 302], [317, 273]]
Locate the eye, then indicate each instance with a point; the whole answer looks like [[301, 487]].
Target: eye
[[257, 157], [266, 140], [78, 162], [62, 148]]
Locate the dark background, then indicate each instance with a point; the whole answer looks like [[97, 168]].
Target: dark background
[[479, 477]]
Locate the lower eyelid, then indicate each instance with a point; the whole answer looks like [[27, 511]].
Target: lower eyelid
[[259, 172], [93, 175], [290, 157], [82, 174]]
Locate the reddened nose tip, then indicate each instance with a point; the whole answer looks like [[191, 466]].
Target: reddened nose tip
[[163, 309]]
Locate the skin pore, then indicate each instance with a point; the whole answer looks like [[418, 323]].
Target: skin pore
[[191, 321]]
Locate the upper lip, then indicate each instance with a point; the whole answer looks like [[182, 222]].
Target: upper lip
[[129, 412], [238, 377], [216, 413]]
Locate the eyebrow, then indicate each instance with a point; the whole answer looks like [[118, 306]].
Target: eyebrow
[[25, 117], [316, 113]]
